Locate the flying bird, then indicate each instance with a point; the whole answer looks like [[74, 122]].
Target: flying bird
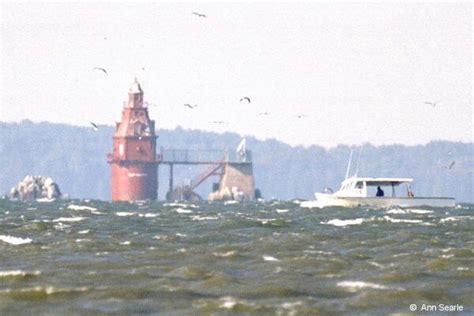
[[200, 15], [450, 166], [190, 106], [245, 98], [264, 113], [94, 126], [218, 122], [300, 116], [433, 104], [100, 69]]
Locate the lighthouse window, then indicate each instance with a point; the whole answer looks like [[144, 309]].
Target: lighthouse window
[[140, 129]]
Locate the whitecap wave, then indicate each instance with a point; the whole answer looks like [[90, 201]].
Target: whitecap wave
[[447, 256], [182, 205], [228, 302], [319, 252], [396, 211], [15, 240], [225, 254], [204, 218], [18, 273], [183, 211], [282, 210], [122, 214], [375, 264], [231, 202], [455, 218], [418, 211], [347, 222], [311, 204], [265, 221], [148, 215], [270, 258], [355, 285], [45, 200], [48, 290], [81, 208], [68, 219], [396, 220]]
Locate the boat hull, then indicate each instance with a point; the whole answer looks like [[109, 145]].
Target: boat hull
[[324, 200]]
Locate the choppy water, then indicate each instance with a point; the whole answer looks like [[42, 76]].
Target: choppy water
[[78, 257]]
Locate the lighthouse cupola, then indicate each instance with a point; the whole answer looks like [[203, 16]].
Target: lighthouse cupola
[[135, 95]]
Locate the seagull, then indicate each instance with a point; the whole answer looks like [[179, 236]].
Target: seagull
[[450, 166], [300, 116], [200, 15], [190, 106], [433, 104], [101, 69], [449, 153], [264, 113], [94, 126], [245, 98]]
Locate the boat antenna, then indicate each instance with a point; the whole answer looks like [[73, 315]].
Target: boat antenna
[[349, 164], [358, 161]]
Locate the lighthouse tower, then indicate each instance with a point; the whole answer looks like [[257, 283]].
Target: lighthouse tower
[[133, 160]]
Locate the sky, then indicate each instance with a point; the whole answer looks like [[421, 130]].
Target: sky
[[316, 73]]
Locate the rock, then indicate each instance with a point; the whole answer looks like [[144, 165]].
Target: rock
[[36, 187]]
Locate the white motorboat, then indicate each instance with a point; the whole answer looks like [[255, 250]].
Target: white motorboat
[[359, 191]]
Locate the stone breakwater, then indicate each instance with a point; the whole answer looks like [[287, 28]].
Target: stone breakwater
[[36, 187]]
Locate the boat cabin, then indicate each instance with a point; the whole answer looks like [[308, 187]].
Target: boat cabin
[[361, 187]]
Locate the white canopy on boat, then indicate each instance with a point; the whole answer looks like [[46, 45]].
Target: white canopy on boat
[[380, 181]]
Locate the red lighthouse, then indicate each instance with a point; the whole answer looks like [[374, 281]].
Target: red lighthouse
[[133, 161]]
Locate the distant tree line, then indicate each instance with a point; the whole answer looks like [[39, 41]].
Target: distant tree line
[[75, 157]]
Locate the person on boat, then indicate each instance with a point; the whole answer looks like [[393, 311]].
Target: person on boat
[[379, 192]]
